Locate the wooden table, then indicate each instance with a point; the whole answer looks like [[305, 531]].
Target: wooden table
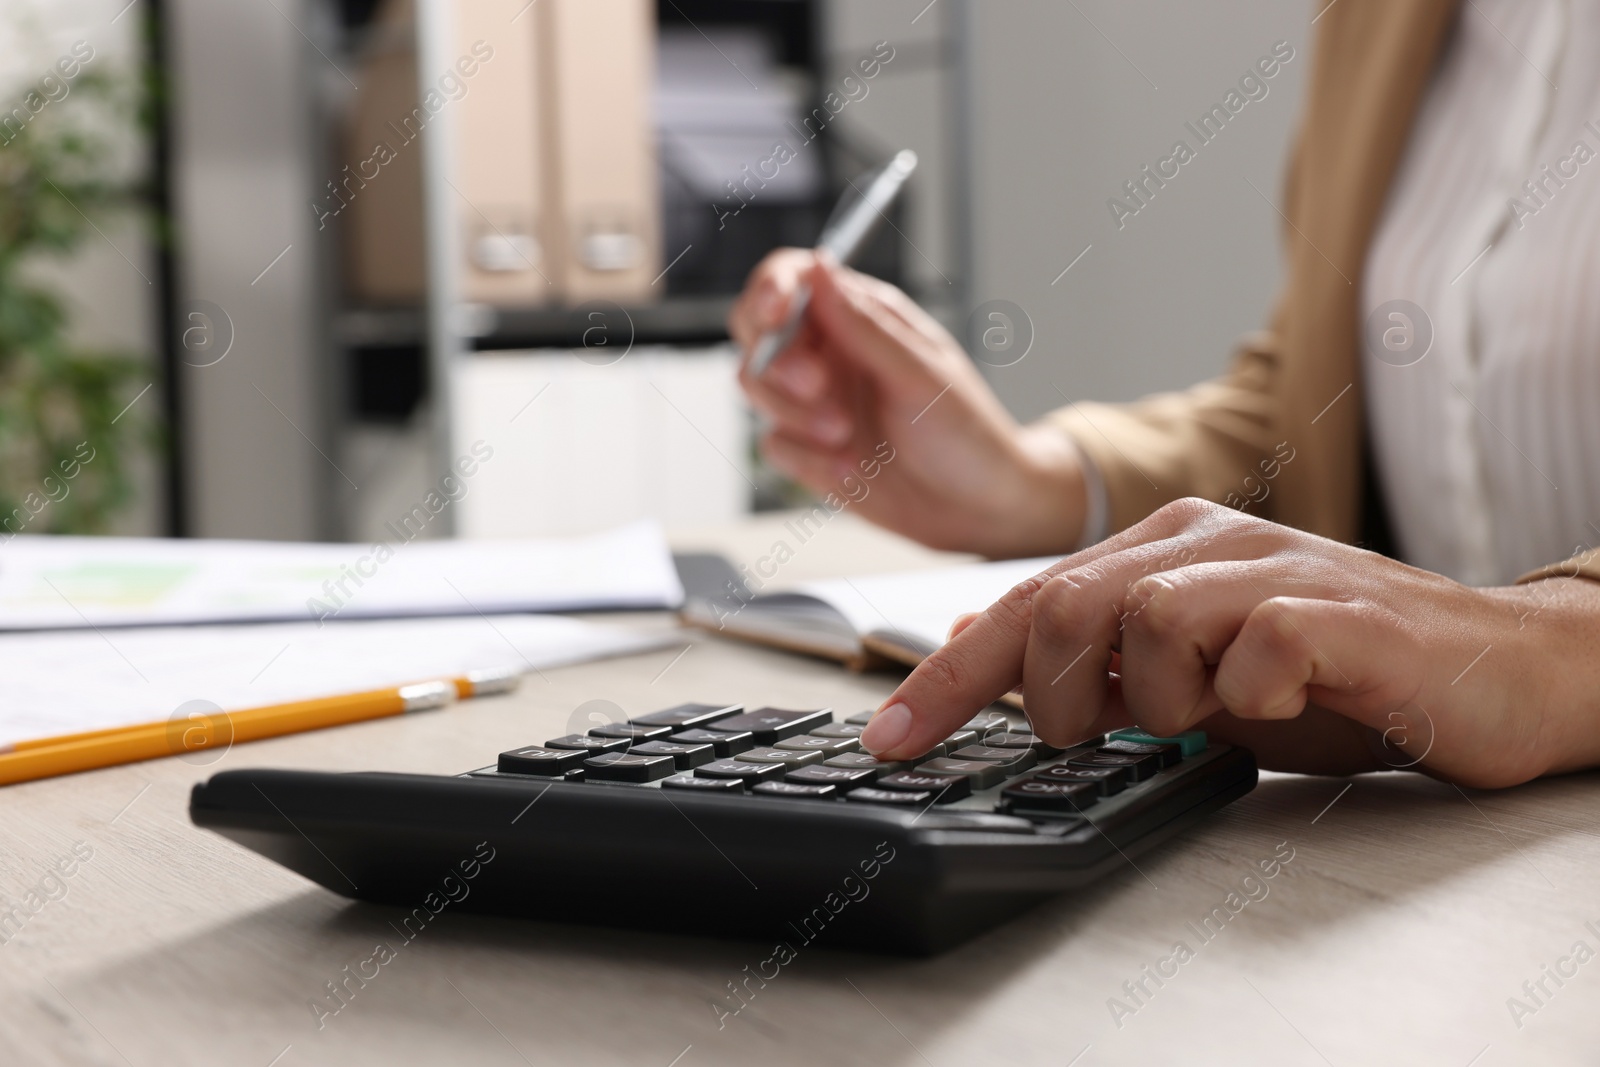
[[1409, 915]]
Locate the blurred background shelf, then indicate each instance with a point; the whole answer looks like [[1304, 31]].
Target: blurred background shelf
[[1024, 114], [680, 320]]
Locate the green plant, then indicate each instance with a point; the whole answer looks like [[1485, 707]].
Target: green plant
[[64, 451]]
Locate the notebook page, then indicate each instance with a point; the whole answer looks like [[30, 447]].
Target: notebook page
[[918, 607], [68, 582], [71, 681]]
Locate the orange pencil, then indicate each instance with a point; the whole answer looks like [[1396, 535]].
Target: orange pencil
[[47, 757]]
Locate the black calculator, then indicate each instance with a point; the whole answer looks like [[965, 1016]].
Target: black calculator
[[711, 819]]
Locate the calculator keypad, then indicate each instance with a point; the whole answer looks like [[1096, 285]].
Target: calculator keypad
[[788, 755]]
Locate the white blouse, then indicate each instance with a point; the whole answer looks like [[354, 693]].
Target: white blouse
[[1482, 297]]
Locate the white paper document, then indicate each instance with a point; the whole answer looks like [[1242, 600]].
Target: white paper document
[[49, 582], [66, 682]]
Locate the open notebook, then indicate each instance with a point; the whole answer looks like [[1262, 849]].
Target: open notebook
[[898, 617]]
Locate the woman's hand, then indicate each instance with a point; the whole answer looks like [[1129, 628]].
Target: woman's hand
[[1321, 657], [870, 367]]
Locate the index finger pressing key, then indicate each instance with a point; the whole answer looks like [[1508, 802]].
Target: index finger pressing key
[[974, 669]]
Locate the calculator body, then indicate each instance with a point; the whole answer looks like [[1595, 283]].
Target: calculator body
[[900, 877]]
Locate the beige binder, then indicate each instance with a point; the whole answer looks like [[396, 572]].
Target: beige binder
[[382, 220], [599, 141], [499, 185], [555, 169]]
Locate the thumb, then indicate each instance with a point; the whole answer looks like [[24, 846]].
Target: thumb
[[866, 330]]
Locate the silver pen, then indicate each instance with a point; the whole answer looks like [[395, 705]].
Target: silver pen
[[843, 236]]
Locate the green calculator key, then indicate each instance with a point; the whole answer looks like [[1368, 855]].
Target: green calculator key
[[1189, 742]]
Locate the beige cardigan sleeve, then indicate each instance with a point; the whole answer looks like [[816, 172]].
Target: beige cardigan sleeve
[[1203, 441]]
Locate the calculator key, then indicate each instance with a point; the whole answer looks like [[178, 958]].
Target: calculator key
[[1139, 767], [935, 752], [576, 774], [705, 785], [1021, 740], [889, 796], [538, 760], [749, 773], [989, 722], [981, 773], [591, 745], [1014, 760], [861, 761], [1166, 755], [725, 745], [1109, 780], [779, 755], [630, 731], [771, 725], [626, 767], [948, 787], [790, 789], [828, 746], [688, 716], [860, 718], [1190, 742], [822, 774], [1036, 794], [960, 739], [684, 757], [837, 729]]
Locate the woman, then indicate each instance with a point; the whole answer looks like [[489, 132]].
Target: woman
[[1432, 130]]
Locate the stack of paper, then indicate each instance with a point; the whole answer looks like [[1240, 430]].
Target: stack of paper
[[66, 682], [66, 582]]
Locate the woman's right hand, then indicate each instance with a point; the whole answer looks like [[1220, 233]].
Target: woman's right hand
[[871, 369]]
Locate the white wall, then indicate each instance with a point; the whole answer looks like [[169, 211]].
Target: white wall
[[1069, 101], [908, 106]]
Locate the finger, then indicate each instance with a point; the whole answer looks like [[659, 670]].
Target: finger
[[895, 301], [1177, 624], [818, 470], [801, 371], [1344, 656], [860, 323], [764, 302], [823, 421], [972, 670], [1078, 622], [1074, 632], [961, 623]]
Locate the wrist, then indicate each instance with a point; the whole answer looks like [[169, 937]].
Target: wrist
[[1557, 627], [1043, 513]]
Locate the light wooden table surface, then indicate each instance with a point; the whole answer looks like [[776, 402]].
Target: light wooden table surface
[[1409, 915]]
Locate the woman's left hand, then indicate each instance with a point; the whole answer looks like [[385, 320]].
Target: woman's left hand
[[1320, 657]]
